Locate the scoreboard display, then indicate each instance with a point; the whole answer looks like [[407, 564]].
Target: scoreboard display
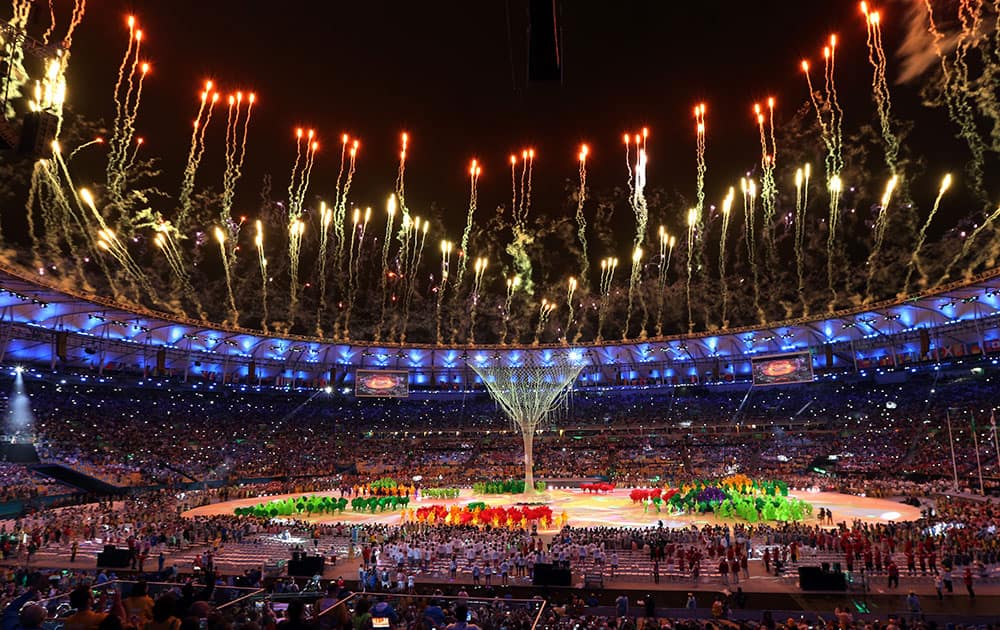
[[382, 383], [782, 368]]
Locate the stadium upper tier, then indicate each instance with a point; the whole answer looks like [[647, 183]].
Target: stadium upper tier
[[42, 323]]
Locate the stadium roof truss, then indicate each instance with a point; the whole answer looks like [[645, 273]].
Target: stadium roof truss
[[100, 333]]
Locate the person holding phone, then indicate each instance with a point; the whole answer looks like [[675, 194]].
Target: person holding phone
[[163, 614], [463, 619], [139, 605], [85, 618]]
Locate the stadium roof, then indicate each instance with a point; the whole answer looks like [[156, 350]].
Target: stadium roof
[[98, 332]]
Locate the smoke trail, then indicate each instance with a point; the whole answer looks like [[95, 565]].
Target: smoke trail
[[262, 263], [29, 211], [413, 278], [641, 211], [727, 205], [544, 310], [749, 189], [517, 248], [880, 87], [881, 222], [463, 252], [325, 219], [608, 267], [666, 249], [391, 213], [119, 112], [581, 219], [356, 219], [130, 163], [835, 188], [570, 290], [235, 154], [352, 157], [768, 189], [692, 223], [914, 262], [79, 8], [836, 113], [967, 246], [401, 174], [480, 270], [234, 315], [512, 284], [801, 207], [297, 188], [956, 91], [128, 129], [52, 24], [196, 150], [697, 234], [446, 248], [338, 221], [633, 281], [120, 123]]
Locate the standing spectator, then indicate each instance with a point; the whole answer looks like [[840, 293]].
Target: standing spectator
[[504, 572], [650, 607], [621, 605], [295, 617], [913, 604], [462, 619], [138, 606], [967, 578]]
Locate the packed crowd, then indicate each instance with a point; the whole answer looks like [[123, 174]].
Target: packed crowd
[[149, 434], [89, 602], [19, 482]]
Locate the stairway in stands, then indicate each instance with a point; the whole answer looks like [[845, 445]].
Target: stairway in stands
[[76, 479]]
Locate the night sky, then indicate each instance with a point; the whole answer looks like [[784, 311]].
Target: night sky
[[449, 74]]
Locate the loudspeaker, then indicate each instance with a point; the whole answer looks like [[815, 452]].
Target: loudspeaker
[[61, 337], [561, 577], [306, 566], [161, 361], [815, 579], [925, 342], [251, 371], [544, 54], [37, 133], [113, 557], [548, 575], [828, 350], [542, 573], [715, 372]]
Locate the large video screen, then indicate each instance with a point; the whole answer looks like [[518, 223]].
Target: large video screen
[[382, 383], [782, 368]]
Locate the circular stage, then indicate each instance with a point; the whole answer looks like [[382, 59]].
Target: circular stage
[[613, 509]]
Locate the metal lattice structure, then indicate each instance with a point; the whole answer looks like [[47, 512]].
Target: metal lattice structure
[[528, 391]]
